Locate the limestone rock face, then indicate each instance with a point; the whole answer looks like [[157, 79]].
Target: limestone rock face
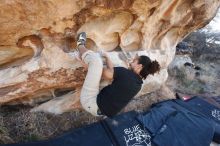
[[37, 37]]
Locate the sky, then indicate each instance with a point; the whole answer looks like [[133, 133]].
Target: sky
[[215, 23]]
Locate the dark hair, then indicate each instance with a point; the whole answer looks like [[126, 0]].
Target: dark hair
[[149, 67]]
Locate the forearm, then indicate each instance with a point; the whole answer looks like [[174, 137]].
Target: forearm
[[109, 70], [109, 63]]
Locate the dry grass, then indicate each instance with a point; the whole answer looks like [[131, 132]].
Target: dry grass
[[23, 126]]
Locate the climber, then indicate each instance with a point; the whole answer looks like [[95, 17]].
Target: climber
[[125, 85]]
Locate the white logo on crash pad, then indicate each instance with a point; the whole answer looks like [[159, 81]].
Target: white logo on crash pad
[[216, 114], [135, 136]]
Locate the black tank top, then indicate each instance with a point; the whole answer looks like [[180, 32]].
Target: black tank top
[[114, 97]]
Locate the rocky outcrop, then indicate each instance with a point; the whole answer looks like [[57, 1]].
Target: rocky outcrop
[[37, 38], [192, 74]]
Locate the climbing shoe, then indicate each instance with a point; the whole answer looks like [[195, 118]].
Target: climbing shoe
[[81, 39]]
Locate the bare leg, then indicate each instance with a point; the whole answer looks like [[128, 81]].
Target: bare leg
[[82, 49]]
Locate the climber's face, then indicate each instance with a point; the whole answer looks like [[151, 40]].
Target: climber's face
[[135, 66]]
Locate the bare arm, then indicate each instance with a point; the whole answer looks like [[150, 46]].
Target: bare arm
[[109, 70]]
